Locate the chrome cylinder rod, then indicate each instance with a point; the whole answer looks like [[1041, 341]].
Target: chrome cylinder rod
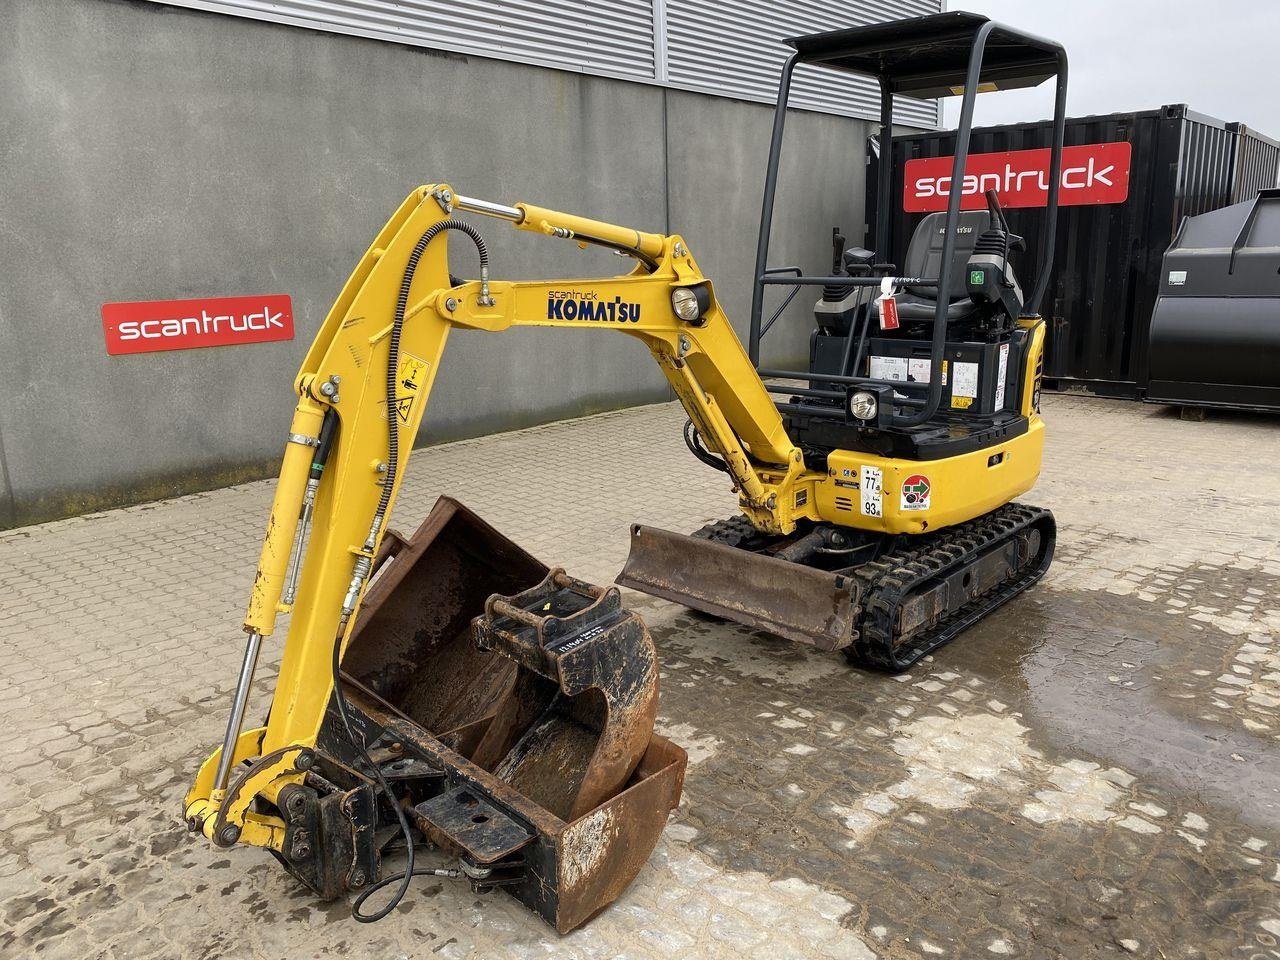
[[236, 720], [300, 542], [488, 208]]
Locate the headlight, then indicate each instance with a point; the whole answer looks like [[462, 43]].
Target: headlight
[[685, 303], [690, 303], [863, 405]]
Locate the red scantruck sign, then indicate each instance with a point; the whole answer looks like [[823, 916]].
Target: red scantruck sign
[[152, 325], [1094, 173]]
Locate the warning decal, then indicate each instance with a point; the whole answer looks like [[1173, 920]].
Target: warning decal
[[871, 482], [915, 492], [410, 382], [965, 386]]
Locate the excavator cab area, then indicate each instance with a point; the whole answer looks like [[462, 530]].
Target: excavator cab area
[[917, 417], [925, 359]]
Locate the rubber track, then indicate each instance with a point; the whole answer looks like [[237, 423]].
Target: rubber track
[[887, 582], [734, 532]]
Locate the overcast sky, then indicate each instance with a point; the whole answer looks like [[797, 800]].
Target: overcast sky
[[1218, 56]]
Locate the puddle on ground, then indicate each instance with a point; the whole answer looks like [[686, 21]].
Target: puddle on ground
[[1070, 772], [1122, 679]]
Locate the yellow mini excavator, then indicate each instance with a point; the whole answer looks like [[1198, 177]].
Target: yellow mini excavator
[[449, 686]]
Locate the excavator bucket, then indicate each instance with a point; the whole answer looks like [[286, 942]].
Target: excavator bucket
[[804, 604], [412, 644], [511, 707]]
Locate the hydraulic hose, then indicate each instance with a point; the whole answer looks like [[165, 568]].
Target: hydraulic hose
[[693, 440], [363, 565], [393, 355]]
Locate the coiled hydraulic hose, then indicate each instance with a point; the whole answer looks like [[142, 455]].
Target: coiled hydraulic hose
[[384, 502], [693, 440]]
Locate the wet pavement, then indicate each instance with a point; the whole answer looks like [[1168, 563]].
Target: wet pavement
[[1093, 771]]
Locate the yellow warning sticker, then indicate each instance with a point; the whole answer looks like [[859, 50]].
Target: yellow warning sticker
[[411, 379], [961, 403]]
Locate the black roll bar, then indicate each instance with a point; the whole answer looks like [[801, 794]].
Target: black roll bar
[[764, 276]]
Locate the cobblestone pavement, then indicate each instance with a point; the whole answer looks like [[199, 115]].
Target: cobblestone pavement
[[1094, 771]]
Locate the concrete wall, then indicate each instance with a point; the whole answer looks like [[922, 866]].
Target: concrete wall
[[156, 153]]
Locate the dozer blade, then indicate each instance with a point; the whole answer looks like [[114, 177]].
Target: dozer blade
[[791, 600]]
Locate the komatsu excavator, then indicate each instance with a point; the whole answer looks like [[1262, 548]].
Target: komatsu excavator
[[450, 686]]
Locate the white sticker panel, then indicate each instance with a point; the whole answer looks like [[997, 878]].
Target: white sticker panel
[[871, 484], [918, 370], [888, 368], [1002, 371], [965, 383]]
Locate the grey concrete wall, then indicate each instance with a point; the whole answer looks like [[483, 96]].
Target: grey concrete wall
[[155, 153]]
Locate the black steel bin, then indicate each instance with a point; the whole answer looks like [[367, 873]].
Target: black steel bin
[[1129, 180]]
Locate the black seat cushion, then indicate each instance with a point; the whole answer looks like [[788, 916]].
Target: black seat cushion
[[924, 259]]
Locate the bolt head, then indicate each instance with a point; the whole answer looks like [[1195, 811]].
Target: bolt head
[[306, 760], [229, 835]]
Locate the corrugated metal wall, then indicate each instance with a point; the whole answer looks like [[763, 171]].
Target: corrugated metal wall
[[614, 38], [737, 50], [1256, 163], [729, 49]]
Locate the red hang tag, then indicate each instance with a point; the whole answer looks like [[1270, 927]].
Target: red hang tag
[[888, 305]]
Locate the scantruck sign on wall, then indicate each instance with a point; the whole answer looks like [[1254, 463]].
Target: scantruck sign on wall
[[148, 326], [1091, 174]]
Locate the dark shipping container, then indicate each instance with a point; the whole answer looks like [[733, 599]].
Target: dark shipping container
[[1107, 263]]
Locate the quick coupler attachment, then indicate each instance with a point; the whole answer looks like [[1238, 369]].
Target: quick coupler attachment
[[581, 711], [510, 710], [583, 785]]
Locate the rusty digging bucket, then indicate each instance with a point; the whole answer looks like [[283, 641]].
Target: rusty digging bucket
[[511, 709]]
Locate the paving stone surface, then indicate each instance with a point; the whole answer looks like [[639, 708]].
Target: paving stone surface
[[1094, 771]]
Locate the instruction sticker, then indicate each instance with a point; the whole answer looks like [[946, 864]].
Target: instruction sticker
[[411, 378], [1002, 371], [889, 368], [871, 484], [964, 387], [915, 492], [918, 371]]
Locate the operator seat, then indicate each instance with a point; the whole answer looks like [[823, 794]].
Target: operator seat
[[924, 259]]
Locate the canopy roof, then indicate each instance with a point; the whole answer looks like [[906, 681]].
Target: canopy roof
[[929, 56]]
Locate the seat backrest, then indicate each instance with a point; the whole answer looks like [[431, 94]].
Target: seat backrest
[[924, 253]]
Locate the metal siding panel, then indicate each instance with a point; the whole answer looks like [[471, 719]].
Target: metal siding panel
[[727, 50], [1257, 163], [739, 49], [614, 39]]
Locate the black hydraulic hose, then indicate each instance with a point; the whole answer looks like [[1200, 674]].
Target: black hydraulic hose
[[393, 461], [393, 354], [694, 442]]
